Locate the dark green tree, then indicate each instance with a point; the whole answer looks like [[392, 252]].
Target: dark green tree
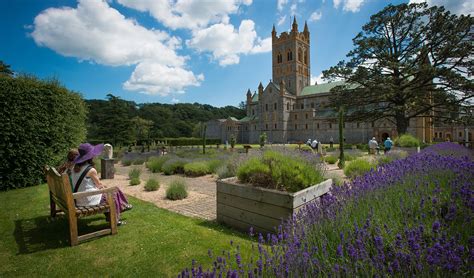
[[5, 69], [409, 61]]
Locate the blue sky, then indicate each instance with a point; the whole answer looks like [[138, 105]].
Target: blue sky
[[205, 51]]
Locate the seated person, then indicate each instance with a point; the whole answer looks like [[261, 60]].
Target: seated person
[[84, 167]]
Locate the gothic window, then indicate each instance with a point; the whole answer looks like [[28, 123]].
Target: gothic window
[[312, 104], [287, 106], [275, 106], [460, 134], [373, 124], [266, 106], [289, 82], [255, 127], [302, 106], [293, 106], [317, 126], [330, 126], [266, 126], [436, 134], [306, 57], [296, 127], [270, 89], [440, 135], [289, 55], [300, 55], [275, 126], [253, 112], [306, 126]]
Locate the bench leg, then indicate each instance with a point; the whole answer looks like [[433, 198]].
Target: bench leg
[[113, 214], [73, 230]]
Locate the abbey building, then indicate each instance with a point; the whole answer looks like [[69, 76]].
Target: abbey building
[[290, 109]]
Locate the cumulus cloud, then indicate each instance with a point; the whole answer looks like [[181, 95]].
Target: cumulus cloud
[[465, 7], [226, 43], [348, 5], [315, 16], [96, 32], [318, 79], [188, 14], [154, 78]]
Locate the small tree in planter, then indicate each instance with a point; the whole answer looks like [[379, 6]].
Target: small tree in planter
[[263, 139]]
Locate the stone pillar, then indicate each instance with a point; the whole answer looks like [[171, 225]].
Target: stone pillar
[[107, 169]]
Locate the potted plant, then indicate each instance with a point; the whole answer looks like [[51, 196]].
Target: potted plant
[[267, 189]]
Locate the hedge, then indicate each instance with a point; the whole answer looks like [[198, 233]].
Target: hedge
[[184, 141], [41, 120]]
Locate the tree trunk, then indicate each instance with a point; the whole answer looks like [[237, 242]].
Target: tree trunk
[[402, 123]]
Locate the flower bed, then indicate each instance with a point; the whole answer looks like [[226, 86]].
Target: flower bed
[[411, 217]]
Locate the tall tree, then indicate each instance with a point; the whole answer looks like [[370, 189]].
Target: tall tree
[[409, 61]]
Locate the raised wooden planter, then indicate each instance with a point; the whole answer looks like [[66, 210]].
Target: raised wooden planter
[[243, 206]]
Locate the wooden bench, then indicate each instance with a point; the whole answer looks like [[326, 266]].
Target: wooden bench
[[62, 196]]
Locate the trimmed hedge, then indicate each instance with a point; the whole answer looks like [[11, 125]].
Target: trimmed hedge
[[40, 121], [188, 141]]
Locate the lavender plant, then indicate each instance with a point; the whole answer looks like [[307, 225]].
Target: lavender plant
[[410, 217]]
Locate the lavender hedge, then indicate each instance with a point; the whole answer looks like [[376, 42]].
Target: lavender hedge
[[409, 217]]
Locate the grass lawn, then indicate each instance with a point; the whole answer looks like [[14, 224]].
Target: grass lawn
[[154, 242]]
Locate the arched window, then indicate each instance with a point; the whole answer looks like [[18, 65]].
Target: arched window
[[306, 57], [289, 55], [279, 58], [287, 106], [300, 55]]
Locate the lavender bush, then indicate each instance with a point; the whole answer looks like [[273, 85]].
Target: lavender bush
[[410, 217]]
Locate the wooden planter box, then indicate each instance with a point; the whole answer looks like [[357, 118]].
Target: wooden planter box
[[243, 206]]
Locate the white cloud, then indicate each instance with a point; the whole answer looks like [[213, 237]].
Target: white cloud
[[281, 20], [226, 43], [96, 32], [458, 7], [318, 79], [281, 4], [348, 5], [293, 9], [174, 100], [189, 14], [153, 78], [315, 16]]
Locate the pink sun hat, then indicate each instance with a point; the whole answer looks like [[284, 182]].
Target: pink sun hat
[[88, 151]]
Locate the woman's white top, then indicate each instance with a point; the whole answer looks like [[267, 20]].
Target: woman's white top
[[86, 185]]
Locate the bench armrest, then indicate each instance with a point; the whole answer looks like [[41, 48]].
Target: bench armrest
[[91, 193]]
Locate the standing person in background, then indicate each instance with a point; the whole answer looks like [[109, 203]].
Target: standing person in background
[[373, 146], [314, 144], [388, 145], [331, 142]]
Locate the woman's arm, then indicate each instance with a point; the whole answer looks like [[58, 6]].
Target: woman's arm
[[95, 178]]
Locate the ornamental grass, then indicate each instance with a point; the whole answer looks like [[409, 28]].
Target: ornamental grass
[[410, 217]]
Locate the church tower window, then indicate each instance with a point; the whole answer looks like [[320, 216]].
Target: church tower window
[[305, 57], [287, 106], [300, 55]]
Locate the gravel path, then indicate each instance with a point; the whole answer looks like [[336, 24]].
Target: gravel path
[[201, 200]]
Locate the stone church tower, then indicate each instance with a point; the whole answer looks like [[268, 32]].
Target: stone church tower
[[290, 59]]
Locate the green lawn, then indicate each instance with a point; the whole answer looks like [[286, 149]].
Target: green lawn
[[155, 242]]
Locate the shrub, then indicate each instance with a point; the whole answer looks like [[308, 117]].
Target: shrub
[[134, 173], [135, 181], [391, 156], [329, 149], [331, 159], [138, 161], [358, 167], [173, 166], [278, 171], [155, 163], [126, 162], [177, 190], [196, 169], [213, 165], [263, 139], [41, 121], [348, 157], [407, 140], [363, 147], [152, 185]]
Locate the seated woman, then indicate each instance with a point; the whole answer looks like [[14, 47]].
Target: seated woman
[[84, 178]]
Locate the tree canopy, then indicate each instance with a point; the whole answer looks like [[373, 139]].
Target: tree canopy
[[408, 61], [122, 122]]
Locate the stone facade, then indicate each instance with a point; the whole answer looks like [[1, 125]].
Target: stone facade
[[289, 109]]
